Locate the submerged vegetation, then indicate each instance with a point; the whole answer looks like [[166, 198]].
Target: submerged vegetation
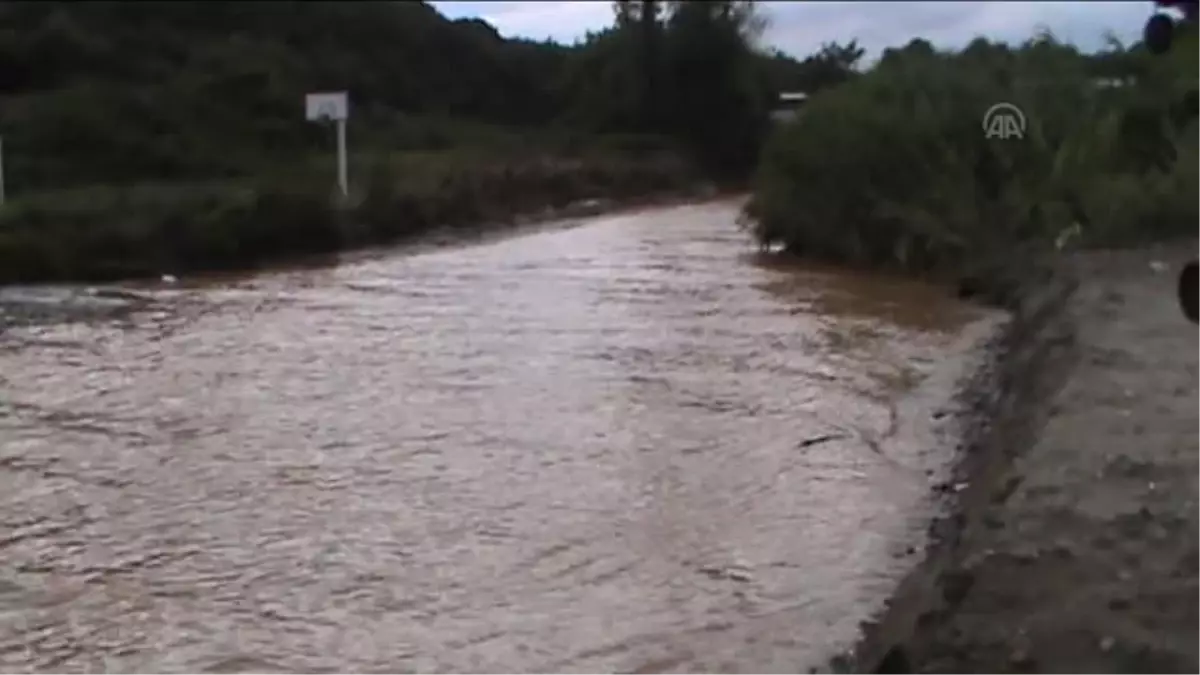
[[895, 169]]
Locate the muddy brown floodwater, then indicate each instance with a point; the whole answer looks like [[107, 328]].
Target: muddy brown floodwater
[[623, 446]]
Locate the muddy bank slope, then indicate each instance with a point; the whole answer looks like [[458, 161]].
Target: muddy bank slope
[[1072, 544]]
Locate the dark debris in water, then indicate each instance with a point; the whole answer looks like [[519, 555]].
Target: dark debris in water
[[817, 440]]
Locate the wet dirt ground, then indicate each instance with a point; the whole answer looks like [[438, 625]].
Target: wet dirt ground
[[1081, 553], [627, 446]]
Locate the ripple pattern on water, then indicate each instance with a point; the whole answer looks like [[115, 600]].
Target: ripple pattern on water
[[578, 450]]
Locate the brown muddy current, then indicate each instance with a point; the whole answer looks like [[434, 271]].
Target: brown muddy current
[[626, 446]]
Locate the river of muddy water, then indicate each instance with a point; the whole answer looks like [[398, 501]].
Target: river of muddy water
[[631, 445]]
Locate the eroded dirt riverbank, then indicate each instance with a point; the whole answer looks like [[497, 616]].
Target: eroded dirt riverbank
[[1074, 544], [628, 446]]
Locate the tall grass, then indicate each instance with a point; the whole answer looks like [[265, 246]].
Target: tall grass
[[110, 232]]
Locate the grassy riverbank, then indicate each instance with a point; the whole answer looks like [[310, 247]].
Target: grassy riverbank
[[114, 232], [893, 168]]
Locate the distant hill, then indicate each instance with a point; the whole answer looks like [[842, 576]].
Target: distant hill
[[125, 90], [108, 91]]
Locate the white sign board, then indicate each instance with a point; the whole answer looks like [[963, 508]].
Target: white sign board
[[333, 106]]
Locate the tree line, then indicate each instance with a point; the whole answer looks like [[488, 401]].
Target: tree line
[[114, 91]]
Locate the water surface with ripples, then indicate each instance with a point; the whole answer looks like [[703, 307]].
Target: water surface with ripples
[[625, 446]]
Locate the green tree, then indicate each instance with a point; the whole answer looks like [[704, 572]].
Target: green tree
[[832, 65], [719, 105]]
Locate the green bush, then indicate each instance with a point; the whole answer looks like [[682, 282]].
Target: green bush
[[894, 169]]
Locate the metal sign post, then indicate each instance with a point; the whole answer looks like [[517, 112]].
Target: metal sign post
[[333, 106], [1, 170], [343, 173]]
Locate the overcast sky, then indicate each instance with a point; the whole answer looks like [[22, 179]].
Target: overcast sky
[[799, 28]]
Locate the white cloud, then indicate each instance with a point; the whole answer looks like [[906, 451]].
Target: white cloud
[[801, 27], [561, 21]]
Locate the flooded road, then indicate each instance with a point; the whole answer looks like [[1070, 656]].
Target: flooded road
[[627, 446]]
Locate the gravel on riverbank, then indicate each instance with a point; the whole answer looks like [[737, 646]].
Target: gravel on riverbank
[[1073, 541]]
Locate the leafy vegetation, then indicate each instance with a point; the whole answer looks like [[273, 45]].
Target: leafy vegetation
[[894, 168], [119, 91]]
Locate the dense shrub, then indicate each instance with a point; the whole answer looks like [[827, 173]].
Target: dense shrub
[[894, 169]]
